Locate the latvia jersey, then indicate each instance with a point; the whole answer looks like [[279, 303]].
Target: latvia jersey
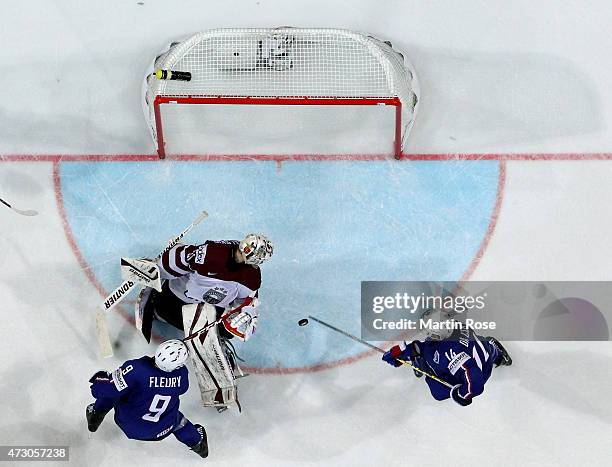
[[208, 273]]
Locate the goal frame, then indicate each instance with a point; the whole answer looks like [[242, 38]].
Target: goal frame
[[279, 67], [277, 100]]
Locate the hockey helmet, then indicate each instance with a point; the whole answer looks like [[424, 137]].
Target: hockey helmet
[[171, 355], [256, 249], [443, 326]]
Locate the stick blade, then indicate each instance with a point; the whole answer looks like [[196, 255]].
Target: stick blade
[[102, 335], [202, 216], [27, 212]]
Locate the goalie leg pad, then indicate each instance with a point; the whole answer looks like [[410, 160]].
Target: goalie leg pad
[[213, 371]]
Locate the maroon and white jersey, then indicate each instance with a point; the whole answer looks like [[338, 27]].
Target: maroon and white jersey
[[208, 273]]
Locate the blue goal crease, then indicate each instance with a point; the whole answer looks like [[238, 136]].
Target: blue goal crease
[[333, 224]]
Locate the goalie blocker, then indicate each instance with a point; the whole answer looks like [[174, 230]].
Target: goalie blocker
[[141, 271]]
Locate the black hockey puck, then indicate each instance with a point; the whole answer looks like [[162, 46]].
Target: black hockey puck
[[303, 322]]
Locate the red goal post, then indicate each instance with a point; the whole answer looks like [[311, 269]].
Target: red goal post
[[281, 67]]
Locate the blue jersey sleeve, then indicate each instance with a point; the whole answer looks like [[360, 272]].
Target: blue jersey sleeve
[[471, 369], [116, 384], [472, 381]]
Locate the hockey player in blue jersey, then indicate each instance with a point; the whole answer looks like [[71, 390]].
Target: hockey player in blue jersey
[[461, 358], [145, 396]]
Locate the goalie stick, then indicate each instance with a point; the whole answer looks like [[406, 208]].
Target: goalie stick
[[27, 212], [120, 292]]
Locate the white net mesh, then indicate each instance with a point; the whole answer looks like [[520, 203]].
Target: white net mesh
[[286, 62]]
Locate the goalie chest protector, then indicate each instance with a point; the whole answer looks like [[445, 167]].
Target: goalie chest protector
[[218, 262]]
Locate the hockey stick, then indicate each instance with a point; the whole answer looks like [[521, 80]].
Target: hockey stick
[[120, 292], [378, 349], [194, 334], [27, 212]]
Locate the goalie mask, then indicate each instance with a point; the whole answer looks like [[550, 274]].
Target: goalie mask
[[256, 249], [171, 355]]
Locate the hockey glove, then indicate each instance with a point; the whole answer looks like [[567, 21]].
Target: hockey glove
[[394, 354], [457, 398], [414, 350], [101, 375], [243, 321], [410, 352]]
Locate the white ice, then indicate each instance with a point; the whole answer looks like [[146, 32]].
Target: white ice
[[496, 76]]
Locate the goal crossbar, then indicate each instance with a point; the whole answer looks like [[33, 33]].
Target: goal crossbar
[[277, 100]]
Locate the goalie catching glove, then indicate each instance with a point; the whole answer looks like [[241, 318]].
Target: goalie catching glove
[[242, 321]]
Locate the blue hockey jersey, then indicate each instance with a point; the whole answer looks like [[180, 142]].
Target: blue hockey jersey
[[145, 398], [463, 359]]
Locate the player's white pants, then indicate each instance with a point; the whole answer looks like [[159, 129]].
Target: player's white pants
[[214, 372]]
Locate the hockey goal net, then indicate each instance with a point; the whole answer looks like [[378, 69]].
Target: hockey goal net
[[279, 67]]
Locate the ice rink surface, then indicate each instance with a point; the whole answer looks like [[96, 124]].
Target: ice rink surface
[[497, 79]]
